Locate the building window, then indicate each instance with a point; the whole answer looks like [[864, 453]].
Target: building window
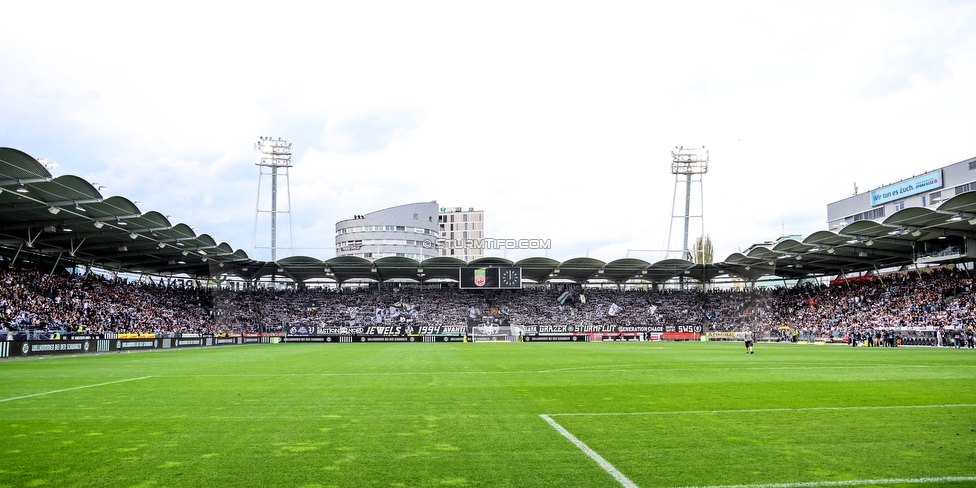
[[963, 188], [900, 206], [869, 215], [935, 197]]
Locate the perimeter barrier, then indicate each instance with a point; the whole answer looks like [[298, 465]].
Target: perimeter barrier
[[22, 345], [18, 345], [89, 344]]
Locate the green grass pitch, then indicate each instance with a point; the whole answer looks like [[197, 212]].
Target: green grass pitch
[[478, 415]]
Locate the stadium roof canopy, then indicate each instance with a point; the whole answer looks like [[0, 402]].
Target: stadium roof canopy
[[65, 219]]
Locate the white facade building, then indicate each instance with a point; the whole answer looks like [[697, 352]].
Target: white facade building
[[927, 190], [462, 233], [409, 231]]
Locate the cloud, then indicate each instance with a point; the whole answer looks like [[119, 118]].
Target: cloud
[[371, 132], [556, 119]]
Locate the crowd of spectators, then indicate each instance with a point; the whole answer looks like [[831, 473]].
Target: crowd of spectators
[[941, 300], [91, 304]]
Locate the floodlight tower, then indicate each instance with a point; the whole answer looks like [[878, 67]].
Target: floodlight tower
[[273, 158], [689, 165]]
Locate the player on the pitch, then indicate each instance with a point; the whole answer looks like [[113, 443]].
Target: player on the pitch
[[749, 338]]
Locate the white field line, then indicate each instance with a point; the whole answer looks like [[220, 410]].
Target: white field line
[[326, 375], [816, 484], [599, 368], [763, 368], [761, 410], [70, 389], [617, 475]]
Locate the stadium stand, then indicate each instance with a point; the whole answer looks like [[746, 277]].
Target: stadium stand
[[52, 228], [937, 307]]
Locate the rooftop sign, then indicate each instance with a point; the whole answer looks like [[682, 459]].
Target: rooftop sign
[[918, 184]]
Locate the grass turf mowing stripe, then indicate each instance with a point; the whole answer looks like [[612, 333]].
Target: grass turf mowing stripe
[[818, 484], [617, 475], [761, 410], [587, 369], [70, 389]]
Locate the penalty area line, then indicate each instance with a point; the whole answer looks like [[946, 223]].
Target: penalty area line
[[819, 484], [70, 389], [609, 468], [763, 410]]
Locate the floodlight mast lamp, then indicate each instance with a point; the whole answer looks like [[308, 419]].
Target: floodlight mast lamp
[[691, 163], [270, 154]]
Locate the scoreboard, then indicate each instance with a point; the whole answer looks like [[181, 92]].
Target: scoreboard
[[490, 278]]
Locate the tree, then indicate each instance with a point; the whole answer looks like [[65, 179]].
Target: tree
[[703, 252]]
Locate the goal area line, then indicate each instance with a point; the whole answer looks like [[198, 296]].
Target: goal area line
[[763, 410]]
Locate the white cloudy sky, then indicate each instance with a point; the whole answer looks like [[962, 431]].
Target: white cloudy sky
[[556, 118]]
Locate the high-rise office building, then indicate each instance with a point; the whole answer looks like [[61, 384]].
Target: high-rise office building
[[462, 233]]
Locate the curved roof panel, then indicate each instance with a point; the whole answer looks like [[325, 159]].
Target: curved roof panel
[[578, 269], [440, 268], [345, 268], [18, 167], [301, 268], [490, 260], [964, 203], [623, 269], [911, 217], [666, 269], [537, 269], [396, 267]]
